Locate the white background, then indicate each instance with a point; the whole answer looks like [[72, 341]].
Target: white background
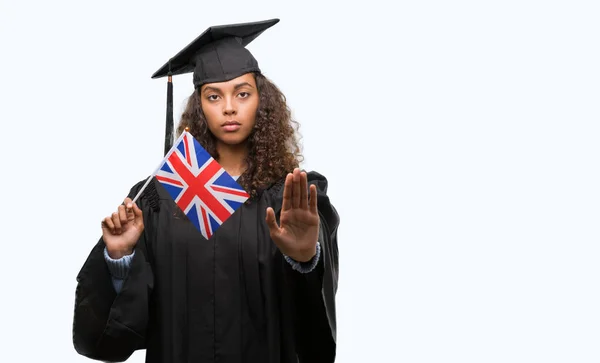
[[460, 139]]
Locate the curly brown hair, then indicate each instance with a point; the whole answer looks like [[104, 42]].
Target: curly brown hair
[[273, 144]]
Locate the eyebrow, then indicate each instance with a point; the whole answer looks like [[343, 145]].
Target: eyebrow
[[237, 86], [240, 85]]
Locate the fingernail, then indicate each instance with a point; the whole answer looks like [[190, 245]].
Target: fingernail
[[129, 205]]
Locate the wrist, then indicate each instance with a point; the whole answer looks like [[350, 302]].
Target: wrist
[[304, 256], [308, 266], [118, 253]]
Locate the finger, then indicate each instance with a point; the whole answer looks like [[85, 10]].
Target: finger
[[271, 221], [139, 216], [117, 223], [122, 215], [136, 210], [287, 193], [127, 202], [313, 199], [108, 224], [296, 189], [303, 191], [130, 214], [129, 209]]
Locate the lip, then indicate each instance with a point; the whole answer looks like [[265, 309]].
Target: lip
[[231, 126]]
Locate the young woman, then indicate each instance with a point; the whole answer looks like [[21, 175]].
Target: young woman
[[262, 288]]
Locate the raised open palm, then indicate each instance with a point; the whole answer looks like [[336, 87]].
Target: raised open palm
[[298, 232]]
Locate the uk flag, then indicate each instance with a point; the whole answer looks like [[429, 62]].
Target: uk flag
[[203, 190]]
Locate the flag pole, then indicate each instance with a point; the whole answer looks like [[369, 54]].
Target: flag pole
[[144, 187], [187, 129]]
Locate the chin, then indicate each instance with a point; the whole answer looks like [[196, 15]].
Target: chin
[[233, 139]]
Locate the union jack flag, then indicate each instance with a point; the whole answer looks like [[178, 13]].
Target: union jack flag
[[203, 190]]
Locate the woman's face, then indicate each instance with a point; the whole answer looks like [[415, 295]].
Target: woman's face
[[230, 108]]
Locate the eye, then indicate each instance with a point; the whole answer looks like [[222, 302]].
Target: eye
[[244, 94], [212, 97]]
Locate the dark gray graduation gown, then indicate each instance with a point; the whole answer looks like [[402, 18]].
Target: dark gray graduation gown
[[230, 299]]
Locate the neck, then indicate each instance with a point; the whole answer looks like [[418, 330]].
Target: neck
[[232, 158]]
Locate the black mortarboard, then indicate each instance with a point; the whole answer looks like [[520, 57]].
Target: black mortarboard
[[217, 55]]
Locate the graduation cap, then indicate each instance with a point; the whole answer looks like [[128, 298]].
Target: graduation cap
[[217, 55]]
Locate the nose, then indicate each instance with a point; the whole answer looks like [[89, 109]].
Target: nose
[[229, 107]]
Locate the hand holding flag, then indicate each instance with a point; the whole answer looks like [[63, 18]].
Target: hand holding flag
[[122, 229], [297, 236]]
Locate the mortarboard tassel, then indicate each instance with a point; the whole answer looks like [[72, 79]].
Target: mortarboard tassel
[[169, 126]]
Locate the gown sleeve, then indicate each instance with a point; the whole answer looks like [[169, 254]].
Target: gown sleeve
[[314, 292], [107, 325]]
